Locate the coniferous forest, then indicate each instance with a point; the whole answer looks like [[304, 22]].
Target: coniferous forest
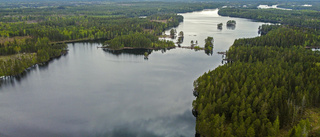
[[270, 85]]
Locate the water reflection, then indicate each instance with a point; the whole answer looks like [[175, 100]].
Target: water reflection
[[171, 126], [12, 80], [128, 51], [209, 52], [137, 52], [231, 27], [44, 66]]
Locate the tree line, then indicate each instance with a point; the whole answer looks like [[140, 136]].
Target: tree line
[[28, 52], [138, 40], [300, 18], [266, 89]]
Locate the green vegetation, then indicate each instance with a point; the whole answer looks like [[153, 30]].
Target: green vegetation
[[264, 29], [138, 40], [173, 33], [269, 88], [19, 54], [265, 89], [180, 37], [231, 23], [313, 115], [181, 34], [13, 64], [220, 26], [197, 48], [301, 18], [285, 36], [209, 43], [34, 27]]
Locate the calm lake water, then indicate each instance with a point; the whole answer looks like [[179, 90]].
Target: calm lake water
[[92, 92]]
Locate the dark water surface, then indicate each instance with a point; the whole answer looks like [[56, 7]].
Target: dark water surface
[[92, 92]]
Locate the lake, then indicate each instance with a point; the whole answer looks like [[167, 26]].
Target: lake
[[95, 92], [271, 7]]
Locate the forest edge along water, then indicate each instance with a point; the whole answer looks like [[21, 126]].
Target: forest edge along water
[[93, 92]]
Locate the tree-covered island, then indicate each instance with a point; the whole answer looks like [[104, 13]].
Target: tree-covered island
[[231, 23]]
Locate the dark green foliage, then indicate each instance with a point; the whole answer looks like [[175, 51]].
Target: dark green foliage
[[104, 21], [301, 18], [138, 40], [284, 36], [219, 26], [264, 29], [209, 43], [267, 87], [231, 23], [80, 27], [173, 33], [45, 52], [13, 67], [300, 130]]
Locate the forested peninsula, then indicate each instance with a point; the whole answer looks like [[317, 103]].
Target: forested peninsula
[[270, 87]]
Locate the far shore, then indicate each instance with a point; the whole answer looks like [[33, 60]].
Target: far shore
[[124, 48]]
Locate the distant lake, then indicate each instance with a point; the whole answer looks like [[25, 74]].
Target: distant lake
[[271, 7], [95, 92]]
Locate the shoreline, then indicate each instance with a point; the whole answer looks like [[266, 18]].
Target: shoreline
[[63, 52], [77, 40], [133, 48]]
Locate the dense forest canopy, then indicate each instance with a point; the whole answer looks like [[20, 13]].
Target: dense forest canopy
[[138, 40], [303, 18], [270, 86]]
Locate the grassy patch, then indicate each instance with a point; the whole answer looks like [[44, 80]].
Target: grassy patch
[[314, 118], [313, 114]]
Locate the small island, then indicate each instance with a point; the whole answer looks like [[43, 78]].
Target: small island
[[219, 26], [209, 43], [180, 38], [231, 23], [138, 41]]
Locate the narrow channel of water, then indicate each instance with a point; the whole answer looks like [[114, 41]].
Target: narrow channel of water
[[92, 92]]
